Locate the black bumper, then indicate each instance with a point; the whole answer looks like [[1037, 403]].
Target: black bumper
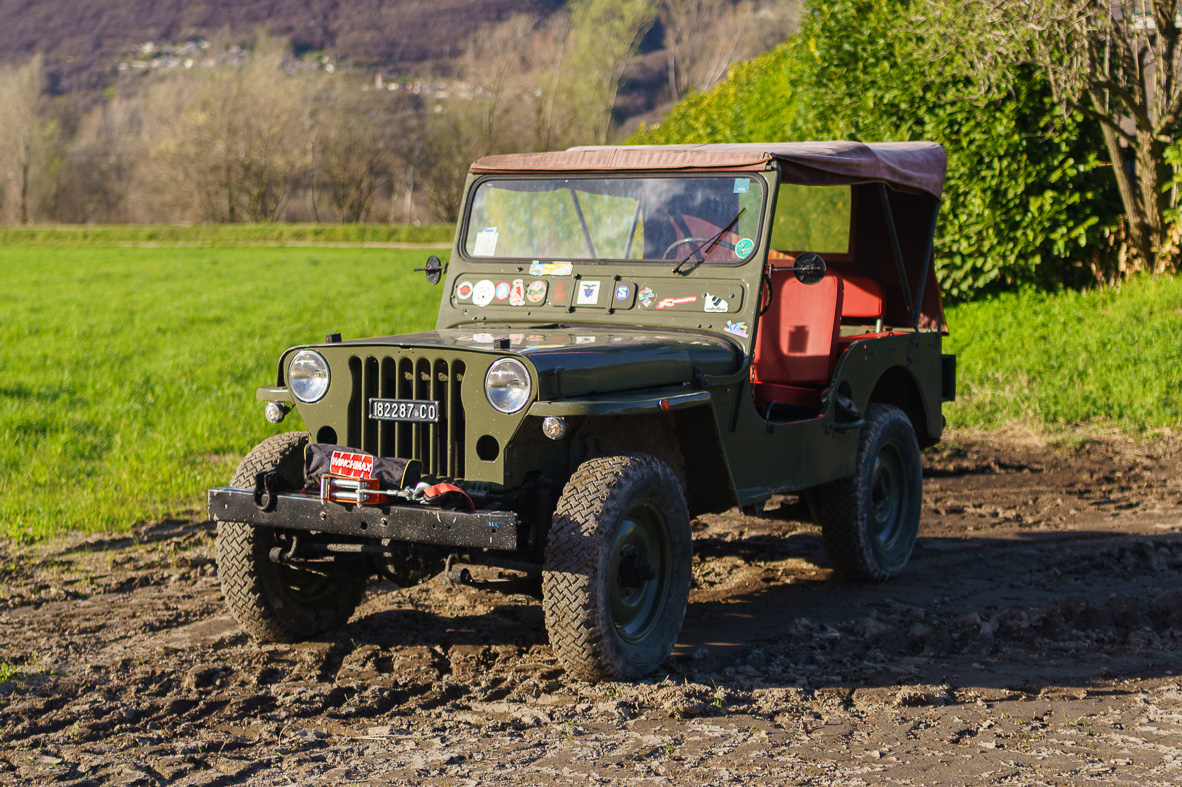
[[409, 523]]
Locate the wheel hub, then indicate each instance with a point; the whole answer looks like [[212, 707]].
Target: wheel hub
[[638, 575], [634, 570], [887, 493]]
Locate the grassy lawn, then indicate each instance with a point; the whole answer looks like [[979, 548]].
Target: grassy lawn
[[1104, 357], [127, 376]]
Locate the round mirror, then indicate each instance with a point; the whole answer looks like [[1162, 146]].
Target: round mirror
[[809, 268], [434, 269]]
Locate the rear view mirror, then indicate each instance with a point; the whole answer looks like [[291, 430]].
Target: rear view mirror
[[809, 268], [434, 269]]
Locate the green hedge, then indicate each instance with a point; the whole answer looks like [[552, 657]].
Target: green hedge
[[1026, 201]]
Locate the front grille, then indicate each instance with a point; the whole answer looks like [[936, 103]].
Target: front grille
[[439, 446]]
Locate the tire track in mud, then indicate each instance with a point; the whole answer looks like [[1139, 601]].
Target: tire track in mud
[[128, 670]]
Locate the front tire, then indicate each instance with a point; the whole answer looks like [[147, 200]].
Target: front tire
[[617, 569], [869, 521], [274, 602]]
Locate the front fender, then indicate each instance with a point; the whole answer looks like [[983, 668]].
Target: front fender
[[644, 403]]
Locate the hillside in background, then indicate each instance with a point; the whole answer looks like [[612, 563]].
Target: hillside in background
[[322, 110], [83, 42]]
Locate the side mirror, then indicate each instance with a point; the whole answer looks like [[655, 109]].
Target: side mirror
[[434, 269], [809, 268]]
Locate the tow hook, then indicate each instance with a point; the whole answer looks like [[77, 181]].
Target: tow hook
[[266, 491]]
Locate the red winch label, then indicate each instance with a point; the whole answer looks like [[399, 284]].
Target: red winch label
[[351, 465]]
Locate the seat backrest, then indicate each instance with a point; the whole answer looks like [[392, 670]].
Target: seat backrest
[[797, 342], [861, 299]]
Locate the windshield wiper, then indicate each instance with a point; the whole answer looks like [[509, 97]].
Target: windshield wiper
[[709, 244]]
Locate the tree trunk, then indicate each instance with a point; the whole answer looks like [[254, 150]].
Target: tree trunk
[[1140, 233], [1152, 176], [25, 189]]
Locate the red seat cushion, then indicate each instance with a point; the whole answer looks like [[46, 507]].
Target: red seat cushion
[[861, 298], [798, 335]]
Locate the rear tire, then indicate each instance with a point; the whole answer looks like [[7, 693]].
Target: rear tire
[[869, 521], [617, 568], [274, 602]]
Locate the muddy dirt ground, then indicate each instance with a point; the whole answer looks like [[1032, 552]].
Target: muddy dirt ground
[[1035, 638]]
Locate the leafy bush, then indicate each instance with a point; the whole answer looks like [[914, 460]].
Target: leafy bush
[[1025, 202]]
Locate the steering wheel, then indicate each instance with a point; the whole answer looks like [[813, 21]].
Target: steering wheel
[[695, 239]]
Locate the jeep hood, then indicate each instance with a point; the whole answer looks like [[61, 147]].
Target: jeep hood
[[581, 360]]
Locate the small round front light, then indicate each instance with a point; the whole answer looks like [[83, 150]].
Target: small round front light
[[554, 427], [507, 385], [275, 412], [308, 376]]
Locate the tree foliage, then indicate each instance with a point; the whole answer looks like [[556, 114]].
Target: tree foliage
[[30, 159], [704, 37], [235, 138], [1117, 62], [1025, 199]]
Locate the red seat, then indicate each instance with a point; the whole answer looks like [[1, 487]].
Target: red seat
[[796, 350], [861, 299]]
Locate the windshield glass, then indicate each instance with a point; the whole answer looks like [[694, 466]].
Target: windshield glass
[[620, 218]]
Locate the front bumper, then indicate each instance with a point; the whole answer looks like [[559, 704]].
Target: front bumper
[[408, 523]]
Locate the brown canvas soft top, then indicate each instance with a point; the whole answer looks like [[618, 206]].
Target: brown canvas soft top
[[911, 166]]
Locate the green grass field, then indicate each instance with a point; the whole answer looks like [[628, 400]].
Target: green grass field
[[127, 375], [1104, 357]]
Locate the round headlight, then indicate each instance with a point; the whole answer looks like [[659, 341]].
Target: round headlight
[[307, 375], [507, 385]]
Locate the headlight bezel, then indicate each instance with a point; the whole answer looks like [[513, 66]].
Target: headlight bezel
[[522, 392], [296, 383]]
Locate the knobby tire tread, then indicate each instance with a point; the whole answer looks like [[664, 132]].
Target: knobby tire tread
[[243, 556], [580, 629], [838, 506]]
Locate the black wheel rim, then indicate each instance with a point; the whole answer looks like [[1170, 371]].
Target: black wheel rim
[[888, 496], [642, 548]]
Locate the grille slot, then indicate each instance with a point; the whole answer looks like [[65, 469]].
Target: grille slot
[[439, 446]]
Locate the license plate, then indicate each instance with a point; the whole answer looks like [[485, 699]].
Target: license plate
[[416, 410]]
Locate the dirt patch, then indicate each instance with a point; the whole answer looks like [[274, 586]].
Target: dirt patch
[[1034, 639]]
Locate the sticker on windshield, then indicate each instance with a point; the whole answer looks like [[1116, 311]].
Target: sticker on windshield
[[559, 295], [517, 295], [714, 304], [744, 248], [550, 268], [463, 291], [486, 242], [536, 292], [741, 185], [483, 292], [588, 293], [502, 293], [736, 329], [647, 296], [623, 292]]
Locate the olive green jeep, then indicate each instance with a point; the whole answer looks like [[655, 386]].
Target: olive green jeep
[[627, 337]]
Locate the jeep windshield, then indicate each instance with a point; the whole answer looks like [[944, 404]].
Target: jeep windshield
[[616, 218]]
